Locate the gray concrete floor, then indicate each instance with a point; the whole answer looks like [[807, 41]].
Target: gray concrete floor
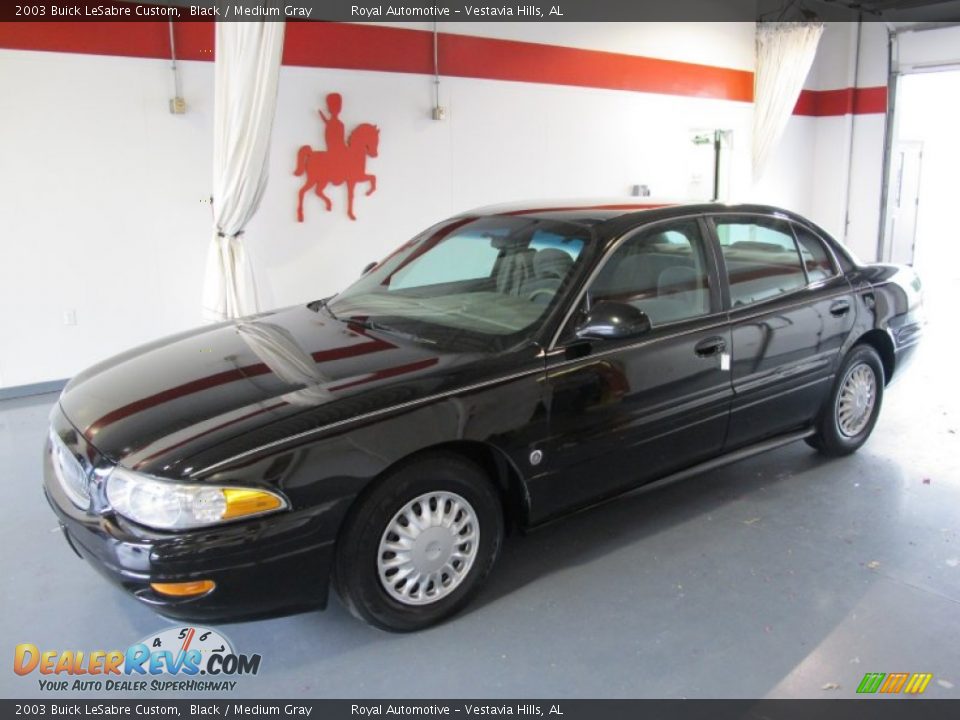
[[783, 576]]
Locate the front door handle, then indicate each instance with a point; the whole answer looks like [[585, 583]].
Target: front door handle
[[840, 308], [711, 346]]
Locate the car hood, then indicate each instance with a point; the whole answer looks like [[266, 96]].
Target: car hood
[[240, 384]]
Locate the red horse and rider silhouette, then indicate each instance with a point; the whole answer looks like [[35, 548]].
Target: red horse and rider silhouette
[[342, 161]]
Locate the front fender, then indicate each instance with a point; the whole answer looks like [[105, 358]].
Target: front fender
[[332, 467]]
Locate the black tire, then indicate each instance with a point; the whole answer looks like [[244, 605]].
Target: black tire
[[829, 439], [356, 575]]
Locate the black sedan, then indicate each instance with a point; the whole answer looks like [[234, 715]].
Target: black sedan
[[503, 368]]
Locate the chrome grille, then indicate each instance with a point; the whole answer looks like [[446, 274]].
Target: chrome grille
[[69, 472]]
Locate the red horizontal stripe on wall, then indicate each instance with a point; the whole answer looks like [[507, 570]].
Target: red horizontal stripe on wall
[[374, 47], [129, 39], [845, 101], [477, 57], [388, 49], [358, 47]]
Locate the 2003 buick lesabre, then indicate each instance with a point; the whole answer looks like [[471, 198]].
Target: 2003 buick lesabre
[[503, 368]]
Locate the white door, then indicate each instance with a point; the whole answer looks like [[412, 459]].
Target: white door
[[904, 197]]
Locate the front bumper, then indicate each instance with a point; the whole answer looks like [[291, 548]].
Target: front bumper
[[268, 566]]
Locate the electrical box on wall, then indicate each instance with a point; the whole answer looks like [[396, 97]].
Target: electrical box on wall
[[178, 106], [439, 113]]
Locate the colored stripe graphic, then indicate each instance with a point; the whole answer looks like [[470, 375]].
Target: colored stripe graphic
[[894, 683], [918, 683], [871, 682], [910, 683]]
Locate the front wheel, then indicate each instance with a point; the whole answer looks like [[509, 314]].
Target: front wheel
[[854, 404], [417, 548]]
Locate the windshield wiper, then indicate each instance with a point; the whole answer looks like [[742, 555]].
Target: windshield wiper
[[325, 304], [368, 324]]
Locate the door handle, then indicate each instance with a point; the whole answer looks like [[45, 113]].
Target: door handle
[[711, 346], [840, 308]]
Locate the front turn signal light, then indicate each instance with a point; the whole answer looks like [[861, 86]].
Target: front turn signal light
[[243, 501], [184, 589]]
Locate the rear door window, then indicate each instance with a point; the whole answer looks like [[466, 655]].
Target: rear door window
[[816, 259], [762, 258]]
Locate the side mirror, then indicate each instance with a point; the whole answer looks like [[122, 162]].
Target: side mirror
[[609, 320], [368, 268]]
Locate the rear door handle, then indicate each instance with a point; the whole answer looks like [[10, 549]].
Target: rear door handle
[[711, 346], [840, 308]]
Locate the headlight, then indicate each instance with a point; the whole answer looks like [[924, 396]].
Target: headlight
[[169, 505]]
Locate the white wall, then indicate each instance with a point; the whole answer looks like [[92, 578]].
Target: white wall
[[101, 208], [847, 183], [502, 141], [105, 212], [815, 169], [789, 180]]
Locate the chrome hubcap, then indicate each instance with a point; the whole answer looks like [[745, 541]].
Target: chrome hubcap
[[858, 395], [428, 548]]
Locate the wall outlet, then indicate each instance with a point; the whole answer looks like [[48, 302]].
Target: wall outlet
[[70, 317], [439, 113], [178, 106]]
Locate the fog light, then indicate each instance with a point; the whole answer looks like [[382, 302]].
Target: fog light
[[184, 589]]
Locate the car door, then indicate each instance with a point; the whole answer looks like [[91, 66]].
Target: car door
[[790, 312], [624, 412]]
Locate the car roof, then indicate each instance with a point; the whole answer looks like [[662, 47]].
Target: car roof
[[582, 210], [608, 218], [630, 210]]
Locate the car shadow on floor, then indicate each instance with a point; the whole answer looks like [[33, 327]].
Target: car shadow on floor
[[594, 532]]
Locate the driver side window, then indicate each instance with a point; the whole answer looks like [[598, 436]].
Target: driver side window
[[661, 271]]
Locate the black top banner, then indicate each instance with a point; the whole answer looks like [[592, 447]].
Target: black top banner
[[486, 10], [886, 709]]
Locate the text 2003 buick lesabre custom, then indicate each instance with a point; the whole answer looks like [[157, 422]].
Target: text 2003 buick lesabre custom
[[501, 369]]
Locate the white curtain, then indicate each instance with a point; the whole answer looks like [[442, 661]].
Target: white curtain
[[246, 71], [785, 52]]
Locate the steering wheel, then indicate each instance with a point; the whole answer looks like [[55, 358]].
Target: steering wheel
[[532, 297]]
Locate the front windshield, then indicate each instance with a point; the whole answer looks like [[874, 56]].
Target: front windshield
[[470, 280]]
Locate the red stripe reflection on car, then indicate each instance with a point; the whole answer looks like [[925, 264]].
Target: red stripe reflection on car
[[378, 375], [222, 378], [561, 208], [388, 373], [153, 456]]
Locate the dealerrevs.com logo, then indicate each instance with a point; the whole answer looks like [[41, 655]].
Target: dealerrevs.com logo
[[182, 652]]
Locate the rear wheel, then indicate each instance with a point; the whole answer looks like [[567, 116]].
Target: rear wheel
[[418, 547], [854, 404]]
